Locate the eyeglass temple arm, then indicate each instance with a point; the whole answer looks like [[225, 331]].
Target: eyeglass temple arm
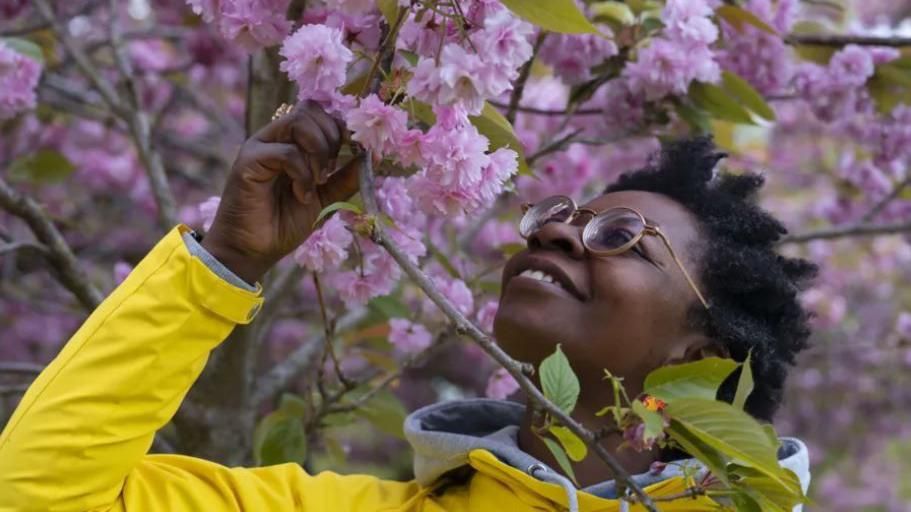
[[689, 279]]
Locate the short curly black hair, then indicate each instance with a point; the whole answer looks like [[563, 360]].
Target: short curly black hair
[[753, 290]]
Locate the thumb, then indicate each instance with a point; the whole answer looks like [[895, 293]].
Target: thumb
[[343, 183]]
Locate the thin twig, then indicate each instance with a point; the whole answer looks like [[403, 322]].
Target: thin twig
[[850, 231], [67, 269], [553, 147], [516, 97], [20, 368], [23, 246], [391, 377], [465, 327], [886, 201], [554, 113], [839, 40]]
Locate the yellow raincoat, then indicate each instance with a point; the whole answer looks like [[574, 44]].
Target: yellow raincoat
[[78, 440]]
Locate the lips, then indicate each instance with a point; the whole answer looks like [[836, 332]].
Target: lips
[[544, 270]]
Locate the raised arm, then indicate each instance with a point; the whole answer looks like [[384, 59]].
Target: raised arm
[[79, 437]]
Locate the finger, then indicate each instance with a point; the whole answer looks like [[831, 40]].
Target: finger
[[274, 159], [276, 130], [343, 183], [308, 136], [330, 129]]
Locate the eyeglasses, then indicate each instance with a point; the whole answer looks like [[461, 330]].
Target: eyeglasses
[[607, 233]]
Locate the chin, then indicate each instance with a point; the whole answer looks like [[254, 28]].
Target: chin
[[526, 334]]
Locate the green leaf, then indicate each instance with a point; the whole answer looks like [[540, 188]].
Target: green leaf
[[560, 457], [389, 307], [654, 422], [618, 12], [748, 96], [493, 125], [559, 382], [719, 103], [386, 412], [390, 10], [574, 446], [338, 205], [730, 431], [279, 438], [698, 120], [41, 167], [773, 495], [699, 379], [293, 405], [335, 450], [744, 384], [693, 445], [739, 18], [25, 47], [555, 15]]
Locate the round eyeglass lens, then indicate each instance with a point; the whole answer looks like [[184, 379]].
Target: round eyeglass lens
[[614, 230], [552, 209]]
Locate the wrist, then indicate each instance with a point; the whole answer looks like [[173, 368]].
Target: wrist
[[240, 262]]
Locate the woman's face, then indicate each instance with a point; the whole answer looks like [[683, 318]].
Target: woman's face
[[626, 313]]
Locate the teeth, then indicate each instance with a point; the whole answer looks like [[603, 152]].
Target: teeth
[[539, 275]]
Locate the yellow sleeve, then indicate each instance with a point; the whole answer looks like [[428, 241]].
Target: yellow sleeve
[[79, 437]]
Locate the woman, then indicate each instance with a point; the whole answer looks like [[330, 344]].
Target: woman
[[702, 280]]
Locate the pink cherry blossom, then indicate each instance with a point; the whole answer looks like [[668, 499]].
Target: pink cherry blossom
[[379, 127], [408, 337], [18, 79], [326, 247], [486, 314], [121, 270], [254, 24], [500, 385], [316, 59]]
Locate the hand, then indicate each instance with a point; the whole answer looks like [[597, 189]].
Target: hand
[[282, 178]]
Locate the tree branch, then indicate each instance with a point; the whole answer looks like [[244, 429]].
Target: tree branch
[[886, 201], [62, 259], [20, 368], [859, 230], [130, 112], [554, 113], [839, 40], [516, 97], [465, 327]]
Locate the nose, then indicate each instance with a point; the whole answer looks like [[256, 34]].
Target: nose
[[556, 236]]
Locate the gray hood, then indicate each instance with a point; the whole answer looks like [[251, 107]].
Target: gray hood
[[443, 434]]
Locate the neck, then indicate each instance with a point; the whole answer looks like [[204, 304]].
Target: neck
[[591, 470]]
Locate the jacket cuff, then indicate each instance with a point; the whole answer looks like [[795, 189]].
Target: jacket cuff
[[214, 292], [196, 249]]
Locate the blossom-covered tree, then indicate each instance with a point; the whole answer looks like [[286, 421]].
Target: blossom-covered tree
[[121, 119]]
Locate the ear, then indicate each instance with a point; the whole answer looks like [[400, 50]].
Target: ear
[[696, 347]]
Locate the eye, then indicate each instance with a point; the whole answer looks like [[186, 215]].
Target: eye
[[614, 236]]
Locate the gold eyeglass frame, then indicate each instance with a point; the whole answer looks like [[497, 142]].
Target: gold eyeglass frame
[[588, 227]]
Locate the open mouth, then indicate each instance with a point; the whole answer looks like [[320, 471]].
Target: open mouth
[[545, 271]]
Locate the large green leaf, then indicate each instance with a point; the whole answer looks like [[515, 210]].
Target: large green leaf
[[719, 103], [699, 379], [279, 438], [773, 495], [739, 17], [744, 383], [41, 167], [493, 125], [730, 431], [554, 15], [750, 97], [559, 382], [560, 457], [574, 446], [386, 412], [24, 47], [693, 445]]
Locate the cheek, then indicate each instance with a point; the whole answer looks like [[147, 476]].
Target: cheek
[[632, 320]]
